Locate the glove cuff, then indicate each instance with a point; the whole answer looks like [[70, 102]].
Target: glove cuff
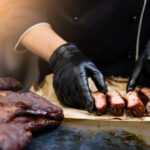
[[64, 51]]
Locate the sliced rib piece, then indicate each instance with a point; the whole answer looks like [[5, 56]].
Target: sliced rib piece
[[144, 94], [116, 102], [100, 102], [10, 84], [134, 104], [14, 136]]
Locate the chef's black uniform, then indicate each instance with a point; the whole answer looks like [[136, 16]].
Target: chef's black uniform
[[104, 30]]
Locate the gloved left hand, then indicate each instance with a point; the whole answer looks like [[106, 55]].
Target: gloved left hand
[[141, 72]]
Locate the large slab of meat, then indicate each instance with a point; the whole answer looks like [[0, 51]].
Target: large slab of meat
[[14, 136], [117, 104], [28, 107], [31, 111], [10, 84], [134, 104]]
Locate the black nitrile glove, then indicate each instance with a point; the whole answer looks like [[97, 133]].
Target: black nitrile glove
[[141, 73], [71, 71]]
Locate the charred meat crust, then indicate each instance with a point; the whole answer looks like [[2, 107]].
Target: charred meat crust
[[10, 84], [22, 104], [116, 103], [35, 124]]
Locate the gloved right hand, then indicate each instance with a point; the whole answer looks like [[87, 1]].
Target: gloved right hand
[[71, 71], [141, 72]]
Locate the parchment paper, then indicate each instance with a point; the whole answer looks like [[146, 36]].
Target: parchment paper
[[46, 90]]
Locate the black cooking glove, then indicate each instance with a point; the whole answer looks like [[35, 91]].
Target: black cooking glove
[[71, 71], [141, 72]]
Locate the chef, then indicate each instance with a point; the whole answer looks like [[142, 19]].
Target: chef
[[78, 39]]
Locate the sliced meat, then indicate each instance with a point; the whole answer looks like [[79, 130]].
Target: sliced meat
[[100, 102], [134, 104], [144, 94], [116, 102], [10, 84], [14, 136], [33, 108]]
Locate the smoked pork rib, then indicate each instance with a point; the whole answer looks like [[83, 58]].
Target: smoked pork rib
[[10, 84], [134, 104], [144, 94], [30, 109], [117, 104], [100, 102], [14, 136]]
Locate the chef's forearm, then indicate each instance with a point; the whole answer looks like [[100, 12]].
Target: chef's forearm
[[42, 41]]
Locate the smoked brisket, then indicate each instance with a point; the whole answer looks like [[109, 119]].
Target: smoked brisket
[[134, 104], [100, 102], [116, 103]]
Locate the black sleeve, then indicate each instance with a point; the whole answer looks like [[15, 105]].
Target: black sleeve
[[16, 16]]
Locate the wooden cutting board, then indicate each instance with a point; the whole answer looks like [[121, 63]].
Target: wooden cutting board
[[46, 90]]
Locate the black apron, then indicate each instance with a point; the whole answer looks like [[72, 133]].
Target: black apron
[[104, 30]]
